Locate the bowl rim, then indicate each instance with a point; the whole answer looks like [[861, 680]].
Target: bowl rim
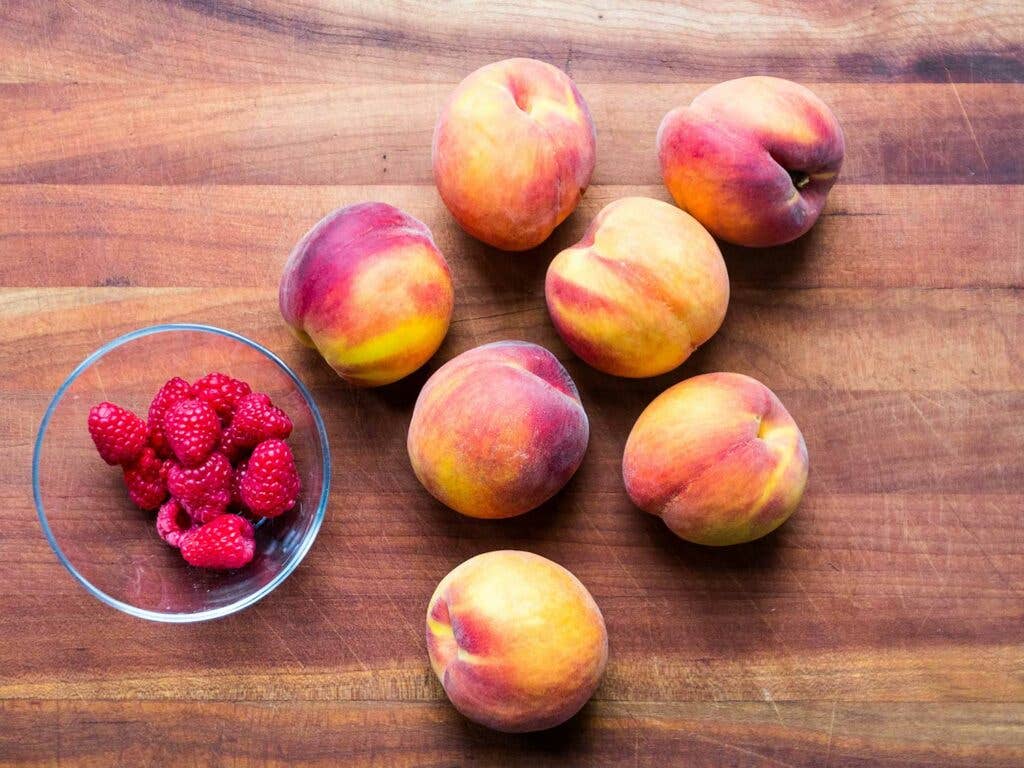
[[304, 545]]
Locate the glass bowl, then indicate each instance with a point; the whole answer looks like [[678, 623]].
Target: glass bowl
[[112, 547]]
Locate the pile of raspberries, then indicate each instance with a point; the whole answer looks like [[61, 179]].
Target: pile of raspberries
[[209, 456]]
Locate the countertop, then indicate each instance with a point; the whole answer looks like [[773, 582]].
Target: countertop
[[159, 159]]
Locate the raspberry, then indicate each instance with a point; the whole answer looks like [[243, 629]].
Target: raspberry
[[118, 433], [236, 484], [222, 392], [256, 419], [271, 483], [192, 430], [173, 522], [170, 394], [204, 491], [227, 541], [144, 479]]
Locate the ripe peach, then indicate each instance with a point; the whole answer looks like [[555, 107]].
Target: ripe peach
[[718, 458], [752, 159], [641, 291], [516, 640], [514, 148], [368, 288], [498, 430]]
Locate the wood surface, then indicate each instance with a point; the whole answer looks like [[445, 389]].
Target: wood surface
[[159, 159]]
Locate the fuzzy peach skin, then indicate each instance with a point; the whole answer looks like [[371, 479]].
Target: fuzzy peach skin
[[752, 159], [498, 430], [514, 149], [368, 288], [516, 640], [641, 291], [718, 458]]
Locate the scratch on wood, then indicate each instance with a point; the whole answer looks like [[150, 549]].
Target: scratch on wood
[[60, 738], [760, 615], [614, 555], [638, 733], [742, 750], [970, 126], [931, 428], [96, 368], [984, 552], [334, 629], [387, 594], [768, 697], [473, 318], [831, 731], [807, 595], [278, 636]]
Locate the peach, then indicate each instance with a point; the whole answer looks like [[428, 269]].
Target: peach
[[718, 458], [514, 148], [368, 288], [641, 291], [516, 640], [498, 430], [752, 159]]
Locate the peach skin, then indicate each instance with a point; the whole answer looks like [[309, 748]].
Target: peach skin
[[498, 430], [516, 640], [718, 458], [368, 288], [752, 159], [513, 152], [641, 291]]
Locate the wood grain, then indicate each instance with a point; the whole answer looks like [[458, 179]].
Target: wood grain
[[917, 603], [418, 40], [103, 733], [878, 236], [763, 328], [263, 134], [158, 162]]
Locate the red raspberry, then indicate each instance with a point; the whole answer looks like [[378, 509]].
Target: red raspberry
[[204, 491], [236, 485], [227, 541], [118, 433], [170, 394], [256, 419], [271, 483], [222, 392], [173, 522], [192, 429], [145, 481]]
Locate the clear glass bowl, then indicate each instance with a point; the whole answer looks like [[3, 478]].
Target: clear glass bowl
[[109, 545]]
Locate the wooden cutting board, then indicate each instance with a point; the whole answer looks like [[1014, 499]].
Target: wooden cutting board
[[159, 159]]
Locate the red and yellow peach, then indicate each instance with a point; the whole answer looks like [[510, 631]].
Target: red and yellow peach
[[641, 291], [516, 640], [368, 288], [718, 458], [498, 430], [513, 152], [752, 159]]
